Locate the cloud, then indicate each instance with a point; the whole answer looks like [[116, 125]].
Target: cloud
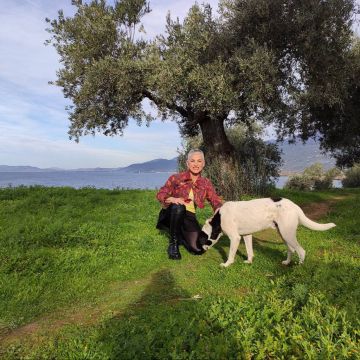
[[33, 120], [57, 151], [26, 62], [42, 152], [27, 139]]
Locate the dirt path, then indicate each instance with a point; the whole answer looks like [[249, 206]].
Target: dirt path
[[116, 299], [91, 314], [318, 210]]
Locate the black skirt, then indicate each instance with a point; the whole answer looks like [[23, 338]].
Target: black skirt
[[190, 222]]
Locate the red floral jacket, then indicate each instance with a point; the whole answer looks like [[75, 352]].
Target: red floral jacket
[[179, 185]]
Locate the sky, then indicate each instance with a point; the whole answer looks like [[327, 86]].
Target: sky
[[33, 119]]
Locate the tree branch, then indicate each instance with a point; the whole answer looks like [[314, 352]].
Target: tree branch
[[171, 106]]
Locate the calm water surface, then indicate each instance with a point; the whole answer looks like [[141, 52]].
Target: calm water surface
[[97, 179], [79, 179]]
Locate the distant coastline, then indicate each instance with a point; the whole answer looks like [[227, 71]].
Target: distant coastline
[[285, 173], [27, 169], [31, 169], [296, 157], [152, 166]]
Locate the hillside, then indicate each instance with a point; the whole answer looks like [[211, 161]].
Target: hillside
[[8, 168], [296, 158], [157, 165]]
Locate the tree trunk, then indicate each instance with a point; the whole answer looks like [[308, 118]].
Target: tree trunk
[[221, 162], [214, 137]]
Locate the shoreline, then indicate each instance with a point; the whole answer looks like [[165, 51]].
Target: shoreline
[[293, 173]]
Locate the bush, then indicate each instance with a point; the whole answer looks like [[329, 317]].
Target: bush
[[299, 182], [352, 177], [313, 177]]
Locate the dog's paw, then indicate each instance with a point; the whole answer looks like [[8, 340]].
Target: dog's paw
[[248, 261], [285, 262], [205, 247]]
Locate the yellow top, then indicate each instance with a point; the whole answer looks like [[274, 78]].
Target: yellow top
[[191, 206]]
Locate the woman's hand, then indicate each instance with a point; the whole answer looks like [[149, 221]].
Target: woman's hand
[[172, 200]]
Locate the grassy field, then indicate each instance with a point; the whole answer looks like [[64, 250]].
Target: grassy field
[[84, 275]]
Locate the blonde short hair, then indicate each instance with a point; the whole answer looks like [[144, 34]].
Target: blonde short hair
[[193, 151]]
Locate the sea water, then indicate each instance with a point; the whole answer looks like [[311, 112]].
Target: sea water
[[98, 179]]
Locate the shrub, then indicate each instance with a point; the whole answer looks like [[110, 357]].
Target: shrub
[[352, 177], [313, 177], [299, 182]]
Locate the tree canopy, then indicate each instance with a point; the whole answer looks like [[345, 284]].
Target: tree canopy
[[282, 62], [339, 124]]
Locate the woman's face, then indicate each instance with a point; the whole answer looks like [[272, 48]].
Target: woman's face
[[196, 163]]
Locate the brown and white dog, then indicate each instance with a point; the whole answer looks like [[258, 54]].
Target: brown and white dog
[[238, 219]]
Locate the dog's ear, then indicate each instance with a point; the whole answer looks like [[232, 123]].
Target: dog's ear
[[215, 226], [215, 215], [215, 221]]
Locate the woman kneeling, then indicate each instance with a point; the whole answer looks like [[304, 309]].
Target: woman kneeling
[[180, 196]]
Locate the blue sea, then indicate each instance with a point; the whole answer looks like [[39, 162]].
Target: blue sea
[[97, 179], [79, 179]]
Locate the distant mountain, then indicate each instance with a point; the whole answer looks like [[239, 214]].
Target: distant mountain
[[99, 169], [157, 165], [296, 158], [7, 168]]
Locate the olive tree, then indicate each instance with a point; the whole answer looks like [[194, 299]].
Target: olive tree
[[277, 62]]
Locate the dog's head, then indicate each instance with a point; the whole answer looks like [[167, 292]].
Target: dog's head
[[211, 232]]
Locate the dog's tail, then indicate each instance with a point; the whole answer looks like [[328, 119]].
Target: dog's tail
[[312, 225]]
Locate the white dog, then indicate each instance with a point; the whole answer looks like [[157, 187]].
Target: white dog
[[242, 218]]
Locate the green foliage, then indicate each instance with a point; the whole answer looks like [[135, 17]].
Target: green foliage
[[255, 163], [341, 130], [103, 72], [289, 63], [270, 326], [87, 273], [313, 178], [298, 182], [352, 177]]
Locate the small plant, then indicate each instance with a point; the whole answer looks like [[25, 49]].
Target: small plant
[[352, 177], [313, 177]]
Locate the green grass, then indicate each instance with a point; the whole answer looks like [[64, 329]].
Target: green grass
[[84, 275]]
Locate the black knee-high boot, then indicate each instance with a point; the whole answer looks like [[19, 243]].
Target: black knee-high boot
[[176, 221]]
